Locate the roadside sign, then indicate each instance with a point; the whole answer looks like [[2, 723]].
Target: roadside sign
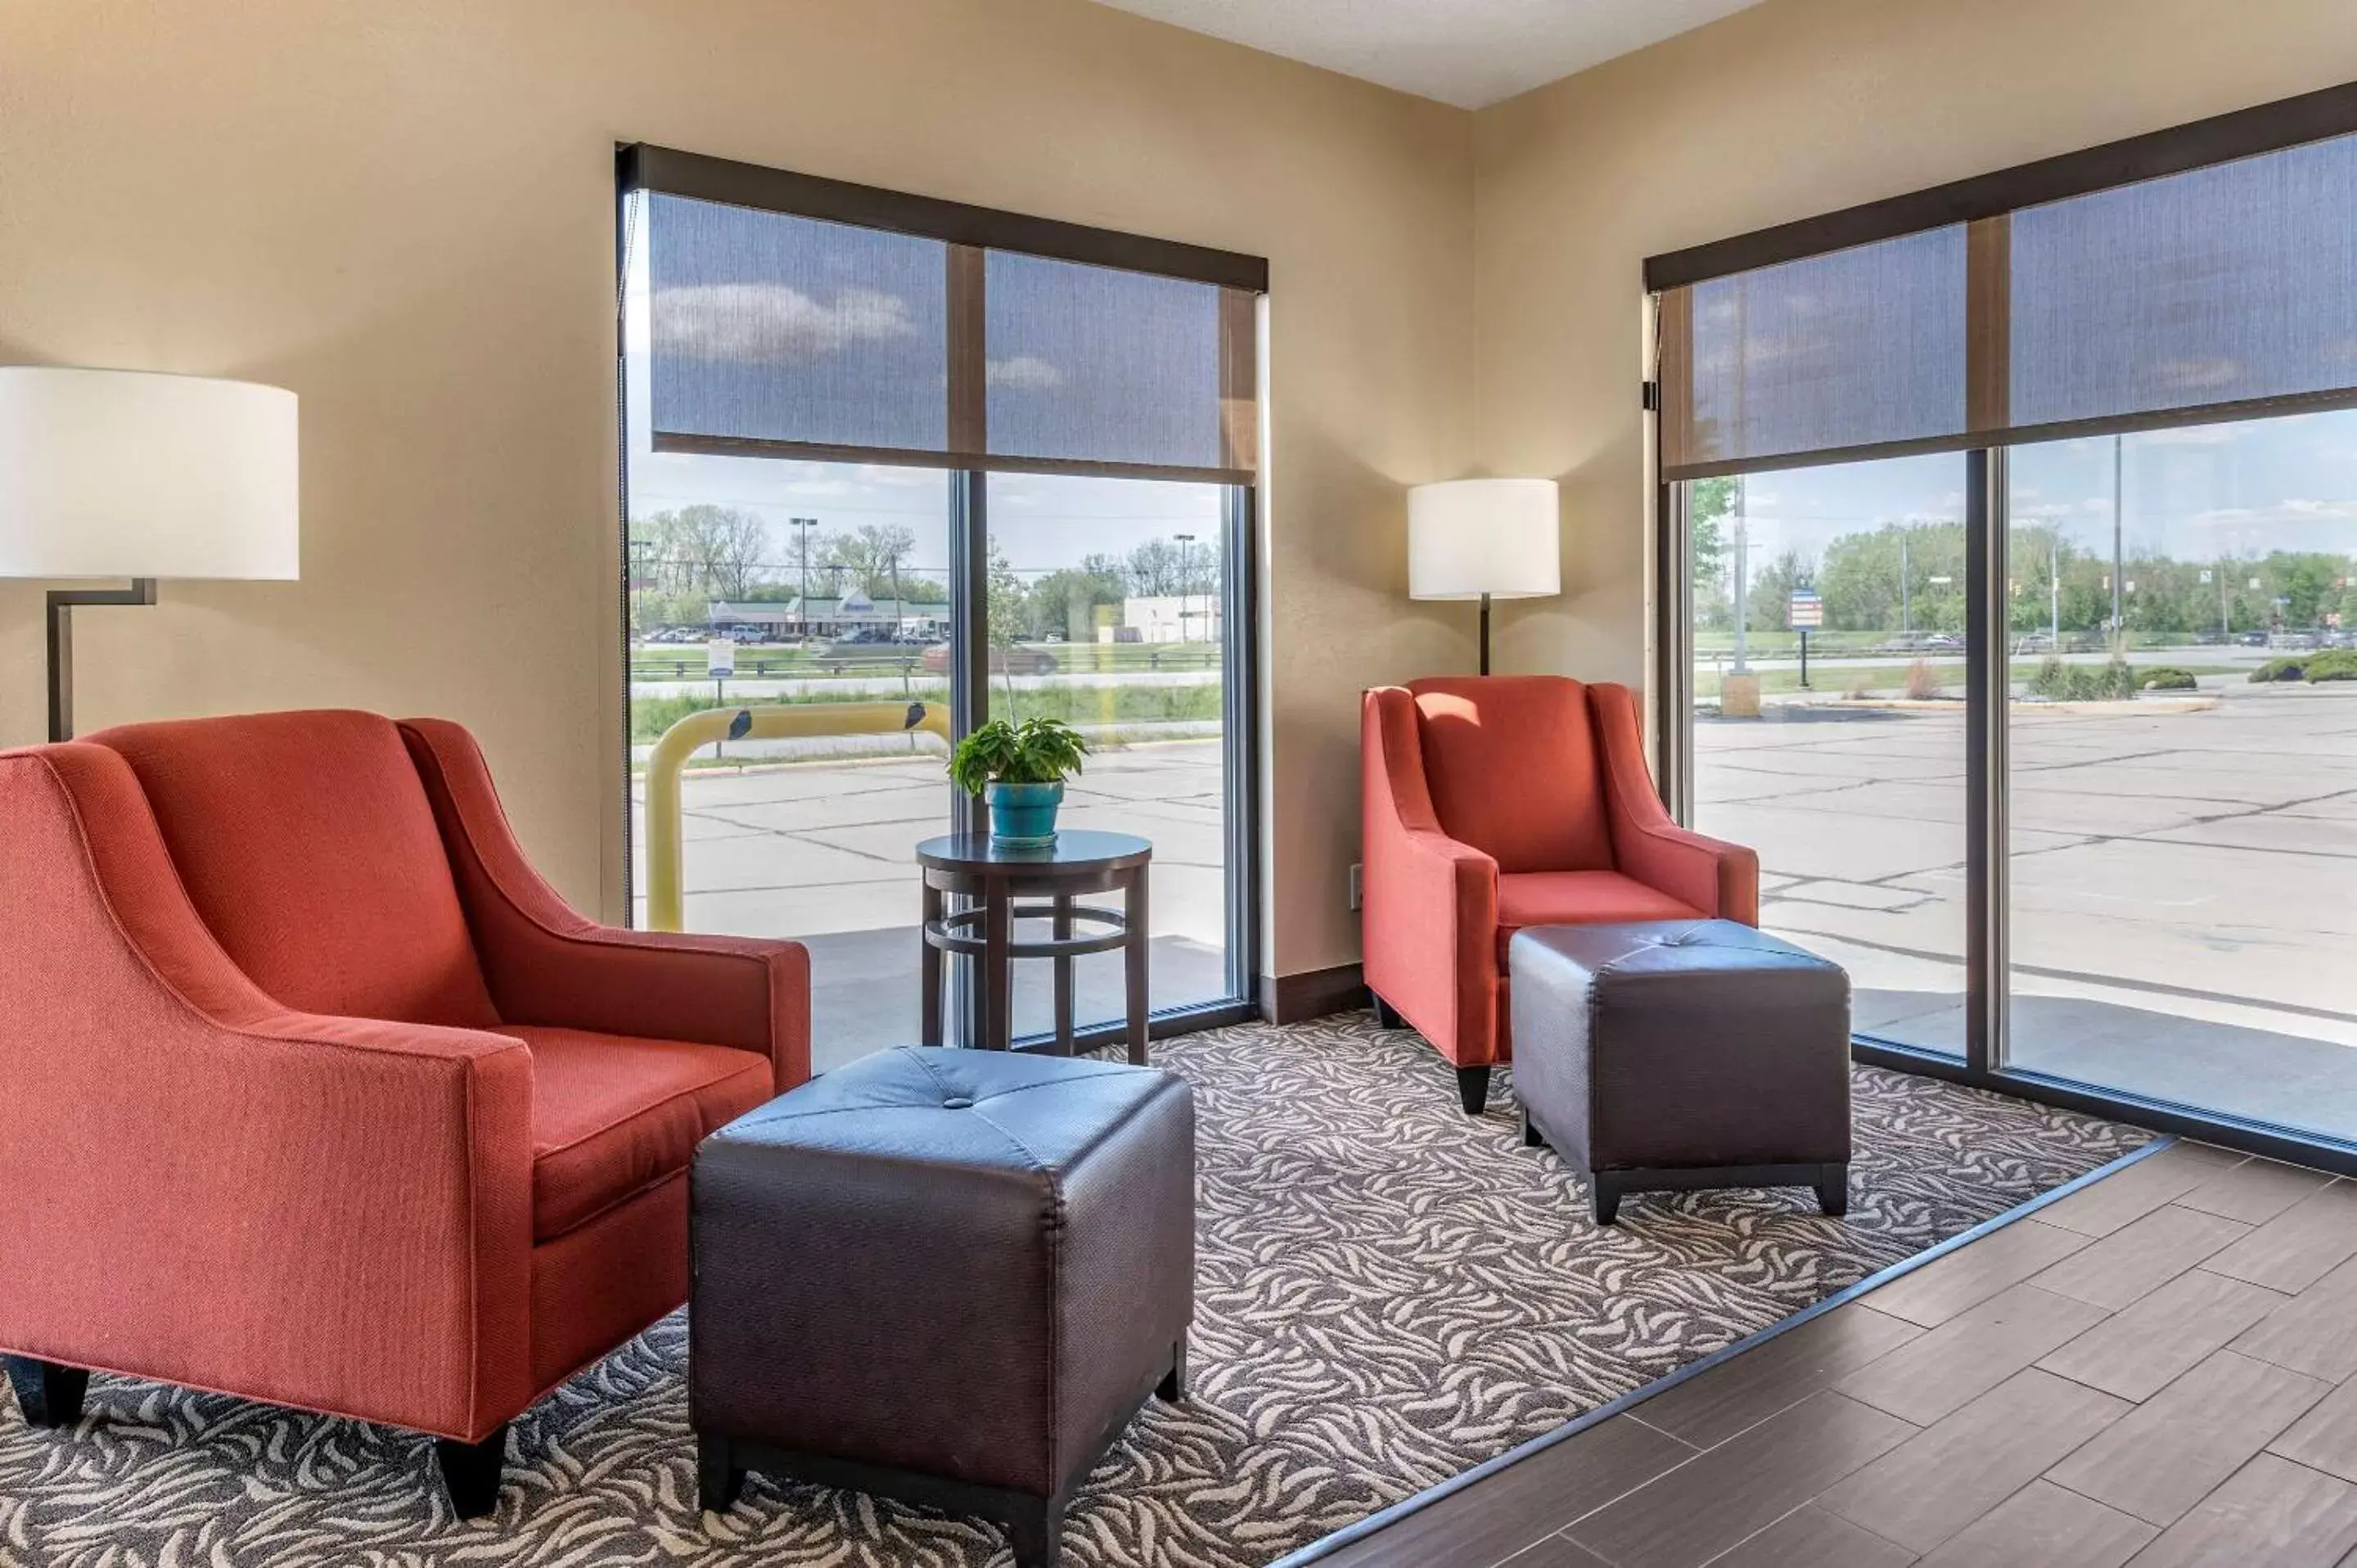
[[1805, 611], [720, 658]]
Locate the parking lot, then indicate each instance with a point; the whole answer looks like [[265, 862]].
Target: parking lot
[[2181, 917]]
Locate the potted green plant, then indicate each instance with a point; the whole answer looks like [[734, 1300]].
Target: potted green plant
[[1020, 770]]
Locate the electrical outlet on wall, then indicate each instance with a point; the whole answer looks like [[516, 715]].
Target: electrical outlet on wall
[[1355, 894]]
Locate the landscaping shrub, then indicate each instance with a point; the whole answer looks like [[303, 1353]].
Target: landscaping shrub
[[2166, 679], [1922, 682], [2279, 670], [2332, 664]]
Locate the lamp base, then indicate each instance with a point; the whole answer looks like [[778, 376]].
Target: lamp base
[[63, 602]]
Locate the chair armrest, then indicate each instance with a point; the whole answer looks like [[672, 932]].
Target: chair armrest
[[546, 963], [1428, 921], [204, 1187], [1720, 879]]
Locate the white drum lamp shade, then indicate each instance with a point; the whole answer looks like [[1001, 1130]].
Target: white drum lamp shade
[[131, 474], [138, 474], [1484, 539]]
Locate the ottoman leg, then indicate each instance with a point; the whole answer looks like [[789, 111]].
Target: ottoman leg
[[471, 1473], [1532, 1137], [719, 1479], [1473, 1089], [1832, 1189], [1604, 1196], [1037, 1535], [1386, 1015], [1173, 1387]]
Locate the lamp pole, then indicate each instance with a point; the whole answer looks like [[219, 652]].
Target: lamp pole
[[1742, 574], [2119, 562]]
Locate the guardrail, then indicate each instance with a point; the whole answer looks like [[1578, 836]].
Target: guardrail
[[666, 897]]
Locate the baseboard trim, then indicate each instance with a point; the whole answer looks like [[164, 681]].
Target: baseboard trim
[[1312, 994], [1374, 1523]]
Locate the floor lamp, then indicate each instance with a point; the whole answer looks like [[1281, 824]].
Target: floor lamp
[[131, 474], [1484, 539]]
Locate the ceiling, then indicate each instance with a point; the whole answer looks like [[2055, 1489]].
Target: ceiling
[[1470, 53]]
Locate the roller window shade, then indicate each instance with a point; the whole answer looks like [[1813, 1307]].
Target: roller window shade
[[2231, 285], [779, 334], [2219, 291], [1860, 347], [775, 329]]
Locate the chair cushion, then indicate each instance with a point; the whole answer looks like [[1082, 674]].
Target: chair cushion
[[612, 1116], [307, 844], [1511, 761], [1580, 898]]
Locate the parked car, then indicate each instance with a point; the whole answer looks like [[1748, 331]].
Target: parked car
[[1016, 660], [2253, 639]]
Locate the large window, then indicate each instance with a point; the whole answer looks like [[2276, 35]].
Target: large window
[[894, 466], [2056, 469]]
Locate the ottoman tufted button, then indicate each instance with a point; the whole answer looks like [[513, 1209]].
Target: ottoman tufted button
[[957, 1103]]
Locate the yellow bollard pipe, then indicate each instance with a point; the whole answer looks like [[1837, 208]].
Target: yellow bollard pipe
[[666, 896]]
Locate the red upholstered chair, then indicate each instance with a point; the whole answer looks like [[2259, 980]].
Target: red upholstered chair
[[1500, 801], [318, 1095]]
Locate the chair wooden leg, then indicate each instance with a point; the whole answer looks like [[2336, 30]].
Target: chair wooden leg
[[470, 1472], [1532, 1137], [1473, 1089], [719, 1480], [48, 1394], [1386, 1015], [1604, 1196], [1833, 1190]]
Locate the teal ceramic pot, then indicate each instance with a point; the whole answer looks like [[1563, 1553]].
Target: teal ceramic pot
[[1023, 816]]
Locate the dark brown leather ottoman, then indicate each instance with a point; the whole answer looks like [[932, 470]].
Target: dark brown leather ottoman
[[947, 1276], [1682, 1054]]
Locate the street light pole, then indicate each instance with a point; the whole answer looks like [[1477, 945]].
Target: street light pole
[[1906, 616], [801, 527], [1742, 574], [1186, 581], [2119, 562]]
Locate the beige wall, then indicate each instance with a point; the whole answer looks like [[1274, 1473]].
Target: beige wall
[[403, 211], [1790, 108]]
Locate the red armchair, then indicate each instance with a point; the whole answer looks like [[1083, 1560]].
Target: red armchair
[[1496, 802], [318, 1095]]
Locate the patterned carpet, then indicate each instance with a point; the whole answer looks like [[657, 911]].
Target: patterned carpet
[[1390, 1293]]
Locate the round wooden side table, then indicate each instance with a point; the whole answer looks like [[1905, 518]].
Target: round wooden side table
[[1078, 862]]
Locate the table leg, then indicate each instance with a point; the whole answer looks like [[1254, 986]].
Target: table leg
[[997, 967], [1063, 977], [1133, 962], [931, 959]]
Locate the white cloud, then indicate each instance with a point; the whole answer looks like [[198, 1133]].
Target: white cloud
[[1024, 373], [772, 321], [2192, 435]]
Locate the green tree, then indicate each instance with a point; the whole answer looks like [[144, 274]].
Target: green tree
[[1708, 504]]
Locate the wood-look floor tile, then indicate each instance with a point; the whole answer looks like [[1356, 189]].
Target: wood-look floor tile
[[1961, 1280], [1962, 1359], [2326, 1437], [2271, 1514], [1713, 1406], [2315, 1332], [1812, 1538], [2255, 1191], [1953, 1471], [2143, 1348], [1523, 1503], [2043, 1526], [1556, 1551], [2160, 1458], [1689, 1516], [2103, 1206], [2297, 1247], [2140, 1256]]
